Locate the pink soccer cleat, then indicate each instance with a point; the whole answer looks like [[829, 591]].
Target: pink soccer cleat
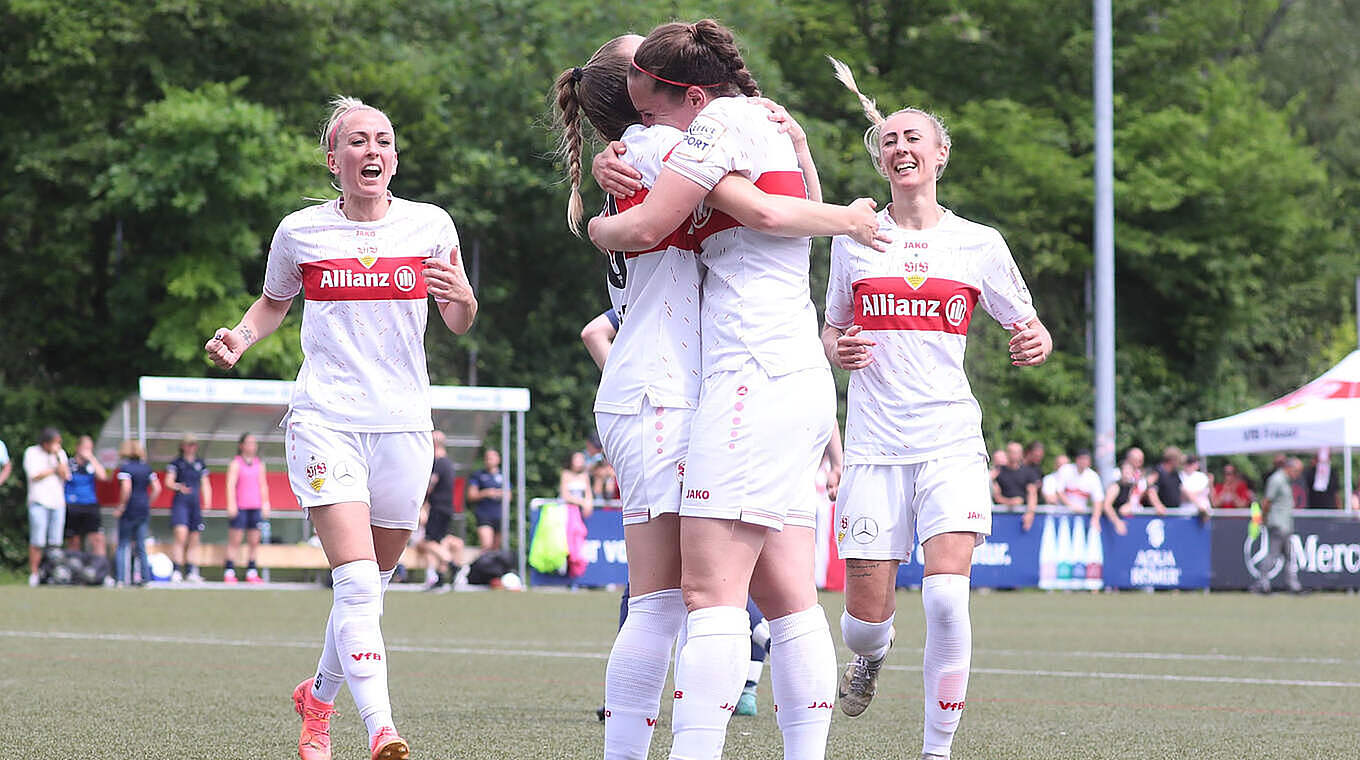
[[315, 741], [388, 746]]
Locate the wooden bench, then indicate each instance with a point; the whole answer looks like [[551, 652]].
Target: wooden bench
[[292, 556]]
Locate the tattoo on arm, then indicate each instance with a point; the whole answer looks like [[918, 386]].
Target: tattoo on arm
[[247, 334]]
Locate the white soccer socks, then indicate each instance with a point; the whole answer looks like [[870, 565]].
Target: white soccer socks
[[330, 674], [868, 640], [708, 680], [803, 679], [355, 612], [636, 673], [949, 650]]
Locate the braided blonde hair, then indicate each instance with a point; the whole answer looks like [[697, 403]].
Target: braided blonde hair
[[876, 120]]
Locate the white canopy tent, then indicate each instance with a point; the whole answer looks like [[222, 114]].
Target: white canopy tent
[[219, 410], [1323, 413]]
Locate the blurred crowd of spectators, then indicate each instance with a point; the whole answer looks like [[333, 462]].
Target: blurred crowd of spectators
[[1176, 483]]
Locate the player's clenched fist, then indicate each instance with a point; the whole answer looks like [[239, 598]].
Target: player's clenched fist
[[852, 349], [226, 347]]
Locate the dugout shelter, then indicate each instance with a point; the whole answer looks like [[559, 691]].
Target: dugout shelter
[[219, 410], [1323, 413]]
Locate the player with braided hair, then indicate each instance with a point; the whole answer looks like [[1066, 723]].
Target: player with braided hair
[[915, 462], [767, 402], [650, 383]]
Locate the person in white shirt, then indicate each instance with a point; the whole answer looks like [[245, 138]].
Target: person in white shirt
[[767, 402], [1196, 486], [358, 440], [47, 471], [1052, 482], [915, 461], [5, 465], [1081, 489], [649, 396]]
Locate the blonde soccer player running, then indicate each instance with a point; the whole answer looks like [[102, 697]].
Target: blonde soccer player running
[[915, 462], [358, 441]]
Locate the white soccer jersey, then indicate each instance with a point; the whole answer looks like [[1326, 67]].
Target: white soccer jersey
[[1081, 487], [756, 300], [913, 403], [656, 352], [363, 320]]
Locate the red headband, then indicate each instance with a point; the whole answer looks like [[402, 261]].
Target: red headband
[[668, 81]]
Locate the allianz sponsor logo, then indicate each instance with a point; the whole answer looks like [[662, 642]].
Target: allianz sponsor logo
[[1313, 556], [887, 305], [344, 278]]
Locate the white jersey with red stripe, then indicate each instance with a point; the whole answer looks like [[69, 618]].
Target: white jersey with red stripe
[[364, 312], [913, 403], [656, 351], [756, 302]]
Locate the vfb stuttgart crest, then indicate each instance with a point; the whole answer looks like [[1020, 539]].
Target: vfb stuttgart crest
[[316, 473], [916, 271]]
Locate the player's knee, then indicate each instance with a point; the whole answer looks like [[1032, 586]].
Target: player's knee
[[863, 636], [945, 598]]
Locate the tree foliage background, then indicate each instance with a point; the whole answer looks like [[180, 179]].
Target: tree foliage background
[[152, 147]]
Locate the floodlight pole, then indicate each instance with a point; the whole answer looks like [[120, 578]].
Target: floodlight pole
[[1104, 242]]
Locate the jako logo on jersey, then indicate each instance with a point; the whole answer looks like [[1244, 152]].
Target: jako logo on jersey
[[974, 515], [697, 493], [819, 706], [887, 305], [916, 244], [956, 310], [366, 656], [951, 705]]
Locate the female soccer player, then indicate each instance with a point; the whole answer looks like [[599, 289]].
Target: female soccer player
[[915, 461], [766, 405], [358, 439], [247, 507], [651, 380], [138, 487], [187, 478]]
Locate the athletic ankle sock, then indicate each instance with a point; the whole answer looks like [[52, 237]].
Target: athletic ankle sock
[[330, 673], [355, 612], [708, 681], [803, 681], [636, 673], [228, 565], [949, 649], [753, 670], [251, 565], [868, 640]]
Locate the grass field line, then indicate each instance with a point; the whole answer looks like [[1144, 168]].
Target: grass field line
[[1172, 656], [508, 652], [1170, 677]]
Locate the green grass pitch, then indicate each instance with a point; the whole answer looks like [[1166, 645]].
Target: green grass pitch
[[95, 674]]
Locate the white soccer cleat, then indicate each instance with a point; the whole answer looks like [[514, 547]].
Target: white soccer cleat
[[858, 684]]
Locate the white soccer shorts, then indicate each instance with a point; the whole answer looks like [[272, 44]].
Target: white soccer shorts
[[756, 444], [390, 472], [882, 508], [647, 451]]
